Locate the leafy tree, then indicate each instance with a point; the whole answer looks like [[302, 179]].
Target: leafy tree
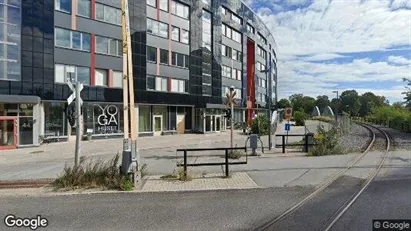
[[302, 103], [398, 105], [350, 102], [368, 101], [283, 103], [300, 118], [322, 102]]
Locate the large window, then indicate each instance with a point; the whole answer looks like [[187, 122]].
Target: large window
[[65, 73], [231, 33], [54, 119], [117, 79], [185, 36], [180, 9], [157, 28], [261, 52], [179, 60], [151, 54], [72, 39], [84, 8], [101, 77], [206, 18], [226, 71], [230, 53], [63, 5], [225, 90], [108, 14], [163, 4], [103, 118], [161, 84], [178, 85], [144, 116], [10, 36], [109, 46], [250, 28], [233, 16], [262, 38]]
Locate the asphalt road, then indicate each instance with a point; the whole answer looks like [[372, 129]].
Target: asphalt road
[[212, 210]]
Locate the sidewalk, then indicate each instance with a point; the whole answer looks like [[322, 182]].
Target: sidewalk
[[159, 153]]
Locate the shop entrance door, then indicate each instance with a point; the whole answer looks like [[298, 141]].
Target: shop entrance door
[[8, 132], [158, 125], [218, 123]]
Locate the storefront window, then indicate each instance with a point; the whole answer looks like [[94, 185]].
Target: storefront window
[[54, 119], [144, 116], [103, 118], [26, 130]]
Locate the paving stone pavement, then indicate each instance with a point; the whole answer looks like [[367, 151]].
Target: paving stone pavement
[[238, 180]]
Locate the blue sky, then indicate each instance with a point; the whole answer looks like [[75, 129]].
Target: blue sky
[[327, 45]]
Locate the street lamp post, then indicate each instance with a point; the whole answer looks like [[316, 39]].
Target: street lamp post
[[336, 108], [269, 104], [231, 102]]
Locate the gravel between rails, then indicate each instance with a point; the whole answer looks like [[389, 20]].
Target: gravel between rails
[[356, 140], [401, 140]]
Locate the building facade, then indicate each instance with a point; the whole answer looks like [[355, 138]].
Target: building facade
[[186, 55]]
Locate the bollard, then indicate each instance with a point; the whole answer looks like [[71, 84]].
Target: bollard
[[254, 144], [185, 164], [226, 163], [283, 144]]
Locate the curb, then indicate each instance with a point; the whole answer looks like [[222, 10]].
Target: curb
[[15, 184]]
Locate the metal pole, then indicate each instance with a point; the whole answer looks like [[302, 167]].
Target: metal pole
[[78, 115], [269, 108], [185, 163], [232, 123], [226, 163]]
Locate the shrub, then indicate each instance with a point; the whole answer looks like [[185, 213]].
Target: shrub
[[326, 142], [300, 118], [324, 119], [235, 154], [260, 125], [88, 174]]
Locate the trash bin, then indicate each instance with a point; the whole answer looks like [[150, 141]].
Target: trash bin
[[310, 140], [89, 135]]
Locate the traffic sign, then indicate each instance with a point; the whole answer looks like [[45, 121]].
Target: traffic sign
[[71, 98], [287, 127], [288, 113]]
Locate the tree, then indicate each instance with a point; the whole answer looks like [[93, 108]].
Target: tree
[[322, 102], [302, 103], [407, 93], [283, 103], [350, 102], [368, 101], [398, 105]]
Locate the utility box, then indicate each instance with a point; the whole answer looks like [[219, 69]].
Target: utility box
[[254, 144]]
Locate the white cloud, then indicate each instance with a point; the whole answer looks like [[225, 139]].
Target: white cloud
[[329, 29], [322, 57], [399, 60], [297, 2]]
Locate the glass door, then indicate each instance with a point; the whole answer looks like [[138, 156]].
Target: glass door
[[8, 133], [218, 123], [158, 125]]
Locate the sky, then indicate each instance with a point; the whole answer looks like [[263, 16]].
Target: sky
[[336, 45]]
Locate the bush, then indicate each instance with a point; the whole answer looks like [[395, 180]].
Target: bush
[[397, 118], [300, 118], [88, 174], [326, 142], [260, 125], [324, 119], [235, 154]]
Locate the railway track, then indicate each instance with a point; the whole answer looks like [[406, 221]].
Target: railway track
[[25, 183], [379, 138]]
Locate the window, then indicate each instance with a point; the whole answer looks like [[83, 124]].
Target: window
[[223, 11], [261, 37], [63, 5], [185, 36], [151, 82], [179, 9], [72, 39], [207, 2], [108, 14], [151, 54], [179, 60], [101, 77], [64, 73], [231, 33], [175, 34], [250, 28], [161, 84], [109, 46], [261, 52], [226, 89], [226, 71], [163, 56], [84, 8], [207, 39], [233, 17], [177, 85], [164, 5], [117, 79], [260, 66], [157, 28], [152, 3]]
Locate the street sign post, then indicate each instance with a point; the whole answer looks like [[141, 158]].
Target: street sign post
[[287, 127], [79, 102]]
